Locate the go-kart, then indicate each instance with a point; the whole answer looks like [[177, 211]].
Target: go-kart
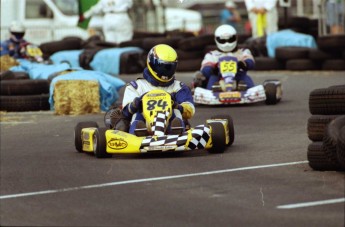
[[32, 53], [224, 93], [215, 135]]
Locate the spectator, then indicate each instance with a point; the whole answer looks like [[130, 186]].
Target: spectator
[[15, 45], [117, 25], [230, 15], [263, 16], [335, 16]]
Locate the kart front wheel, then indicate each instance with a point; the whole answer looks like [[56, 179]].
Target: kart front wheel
[[230, 127], [273, 93], [100, 143], [218, 138], [77, 133]]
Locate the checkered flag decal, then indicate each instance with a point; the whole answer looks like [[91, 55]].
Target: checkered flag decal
[[201, 134], [160, 121]]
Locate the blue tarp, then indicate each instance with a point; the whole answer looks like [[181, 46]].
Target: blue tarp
[[288, 38], [70, 56], [108, 60], [38, 70]]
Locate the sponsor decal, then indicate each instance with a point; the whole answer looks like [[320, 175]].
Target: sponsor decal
[[230, 95], [117, 144], [86, 136], [156, 94]]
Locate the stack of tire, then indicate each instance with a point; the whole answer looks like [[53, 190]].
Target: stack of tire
[[19, 93], [326, 129]]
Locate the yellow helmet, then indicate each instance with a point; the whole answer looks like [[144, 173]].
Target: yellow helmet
[[162, 62]]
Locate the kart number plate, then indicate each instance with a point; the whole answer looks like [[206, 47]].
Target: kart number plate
[[230, 95], [228, 67]]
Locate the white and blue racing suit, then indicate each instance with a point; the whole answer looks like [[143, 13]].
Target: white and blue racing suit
[[180, 93], [209, 66]]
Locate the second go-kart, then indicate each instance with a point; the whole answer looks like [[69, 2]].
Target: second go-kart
[[215, 135], [223, 93]]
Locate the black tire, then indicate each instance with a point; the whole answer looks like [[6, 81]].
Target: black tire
[[334, 64], [196, 43], [327, 101], [341, 148], [189, 65], [316, 126], [50, 48], [218, 138], [19, 103], [271, 91], [330, 139], [317, 158], [230, 127], [187, 55], [302, 64], [24, 87], [331, 43], [9, 75], [266, 63], [148, 43], [288, 53], [100, 143], [77, 133], [320, 55]]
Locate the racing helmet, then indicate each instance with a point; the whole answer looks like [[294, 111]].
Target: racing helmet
[[162, 62], [226, 38], [17, 30]]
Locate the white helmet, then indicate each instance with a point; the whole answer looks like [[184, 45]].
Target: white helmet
[[17, 27], [17, 30], [226, 38]]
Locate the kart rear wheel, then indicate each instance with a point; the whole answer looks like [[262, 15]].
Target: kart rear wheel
[[230, 127], [100, 143], [77, 133], [272, 93], [218, 138]]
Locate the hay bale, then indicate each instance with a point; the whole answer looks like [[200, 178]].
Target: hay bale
[[76, 97], [6, 62]]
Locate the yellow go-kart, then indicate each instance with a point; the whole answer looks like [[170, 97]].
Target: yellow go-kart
[[215, 135]]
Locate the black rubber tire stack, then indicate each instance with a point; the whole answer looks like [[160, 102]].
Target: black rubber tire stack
[[326, 127], [19, 93]]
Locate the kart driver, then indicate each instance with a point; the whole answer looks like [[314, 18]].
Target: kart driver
[[14, 46], [159, 74], [226, 40]]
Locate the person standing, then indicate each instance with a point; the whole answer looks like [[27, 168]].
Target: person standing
[[230, 15], [117, 25], [263, 16]]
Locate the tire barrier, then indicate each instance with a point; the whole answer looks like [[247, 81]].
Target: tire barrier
[[326, 129]]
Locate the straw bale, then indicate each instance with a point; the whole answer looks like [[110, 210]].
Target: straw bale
[[6, 62], [76, 97]]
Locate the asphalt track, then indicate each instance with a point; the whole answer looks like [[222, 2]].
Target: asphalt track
[[262, 180]]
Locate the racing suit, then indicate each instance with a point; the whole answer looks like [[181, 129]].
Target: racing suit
[[180, 93], [117, 26], [209, 66], [15, 49]]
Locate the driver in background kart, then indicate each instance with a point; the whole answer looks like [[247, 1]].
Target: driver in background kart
[[159, 74], [15, 45], [226, 40]]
